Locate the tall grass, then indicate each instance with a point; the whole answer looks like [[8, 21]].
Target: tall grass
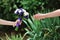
[[46, 29], [12, 37]]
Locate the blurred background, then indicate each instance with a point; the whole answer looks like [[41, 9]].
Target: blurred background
[[7, 8]]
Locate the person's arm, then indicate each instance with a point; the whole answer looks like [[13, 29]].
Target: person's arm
[[47, 15], [53, 14], [4, 22]]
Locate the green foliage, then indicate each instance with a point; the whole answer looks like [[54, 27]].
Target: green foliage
[[35, 6], [13, 37], [7, 9], [43, 30]]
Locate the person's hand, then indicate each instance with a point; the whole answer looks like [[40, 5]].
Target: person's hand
[[17, 21], [39, 16]]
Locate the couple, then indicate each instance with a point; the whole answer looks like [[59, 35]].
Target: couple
[[36, 16]]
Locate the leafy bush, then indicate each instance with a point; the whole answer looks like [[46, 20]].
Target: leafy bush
[[35, 6]]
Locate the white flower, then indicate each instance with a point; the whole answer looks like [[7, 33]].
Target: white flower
[[16, 11], [19, 11], [24, 10], [26, 13]]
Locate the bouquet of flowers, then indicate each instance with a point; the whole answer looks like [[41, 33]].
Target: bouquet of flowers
[[22, 14]]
